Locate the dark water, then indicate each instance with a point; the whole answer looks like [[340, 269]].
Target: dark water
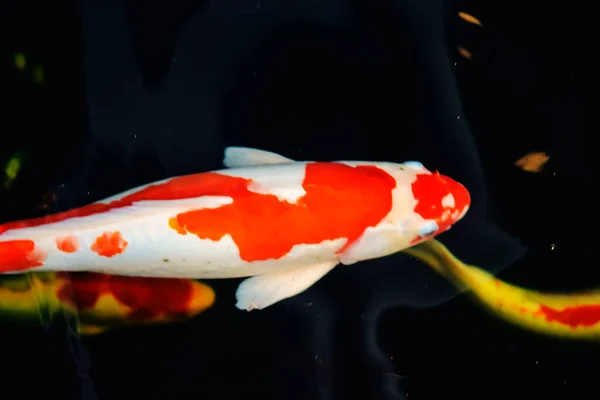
[[137, 92]]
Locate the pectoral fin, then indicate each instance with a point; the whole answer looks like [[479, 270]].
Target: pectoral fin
[[239, 157], [262, 291]]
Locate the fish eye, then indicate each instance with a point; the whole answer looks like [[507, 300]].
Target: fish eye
[[428, 229]]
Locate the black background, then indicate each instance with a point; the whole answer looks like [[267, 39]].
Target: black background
[[139, 91]]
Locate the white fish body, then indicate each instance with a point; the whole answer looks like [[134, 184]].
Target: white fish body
[[283, 223]]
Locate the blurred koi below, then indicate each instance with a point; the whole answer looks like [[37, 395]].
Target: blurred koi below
[[103, 302], [575, 315]]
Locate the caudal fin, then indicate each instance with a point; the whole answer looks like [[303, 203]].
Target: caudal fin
[[20, 255]]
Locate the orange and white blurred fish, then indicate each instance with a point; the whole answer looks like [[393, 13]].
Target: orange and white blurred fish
[[282, 223], [102, 302]]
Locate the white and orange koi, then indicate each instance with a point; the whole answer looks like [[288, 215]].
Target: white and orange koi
[[282, 223]]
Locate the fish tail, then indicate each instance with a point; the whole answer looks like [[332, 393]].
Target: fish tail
[[20, 255]]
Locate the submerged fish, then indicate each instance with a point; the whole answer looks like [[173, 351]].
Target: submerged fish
[[533, 162], [283, 223], [102, 302], [573, 315]]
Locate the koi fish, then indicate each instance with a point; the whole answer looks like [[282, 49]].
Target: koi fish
[[569, 315], [102, 302], [282, 224]]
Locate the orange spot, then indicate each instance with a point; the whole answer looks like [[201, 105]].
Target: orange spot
[[144, 298], [585, 315], [109, 244], [464, 52], [68, 244], [18, 255], [430, 190], [533, 162], [340, 202], [516, 307], [173, 224], [497, 283], [469, 18]]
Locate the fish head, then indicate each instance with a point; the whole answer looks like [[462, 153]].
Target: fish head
[[427, 203]]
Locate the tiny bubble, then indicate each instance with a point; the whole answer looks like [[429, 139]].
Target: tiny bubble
[[88, 192], [458, 117], [258, 6]]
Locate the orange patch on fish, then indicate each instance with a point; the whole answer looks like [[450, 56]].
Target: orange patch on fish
[[183, 187], [173, 224], [67, 244], [143, 299], [585, 315], [430, 195], [109, 244], [18, 255], [341, 201]]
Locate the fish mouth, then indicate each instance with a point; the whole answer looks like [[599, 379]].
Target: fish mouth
[[462, 197]]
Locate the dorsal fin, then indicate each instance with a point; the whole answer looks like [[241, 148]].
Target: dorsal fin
[[239, 157]]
